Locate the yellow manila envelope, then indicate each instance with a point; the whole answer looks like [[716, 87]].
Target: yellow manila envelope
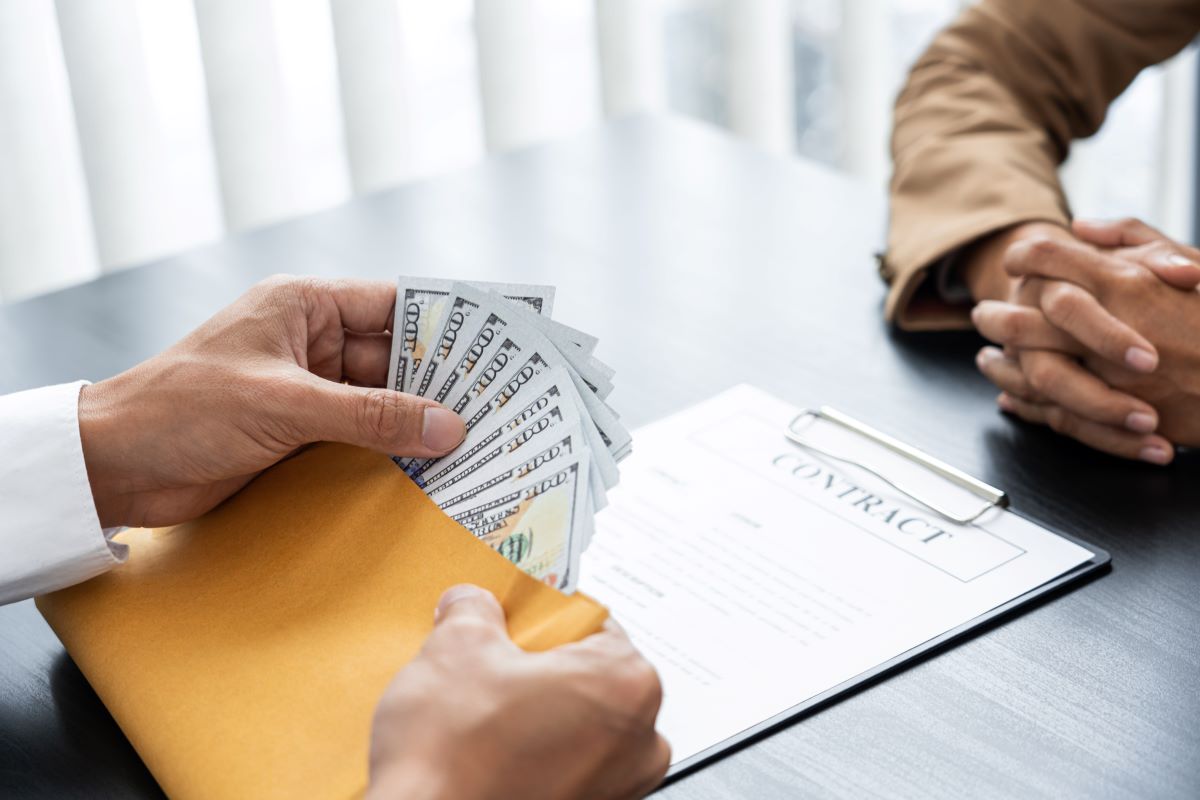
[[243, 653]]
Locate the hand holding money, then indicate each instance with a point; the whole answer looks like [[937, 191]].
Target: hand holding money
[[522, 456], [541, 446], [293, 361]]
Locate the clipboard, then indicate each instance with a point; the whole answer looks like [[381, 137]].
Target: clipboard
[[990, 497]]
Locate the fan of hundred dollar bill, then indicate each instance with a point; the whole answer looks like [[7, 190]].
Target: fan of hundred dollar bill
[[541, 447]]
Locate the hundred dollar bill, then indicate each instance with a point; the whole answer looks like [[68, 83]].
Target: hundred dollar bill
[[532, 380], [541, 445], [543, 392], [498, 364], [518, 467], [466, 307], [458, 322], [465, 345], [525, 349], [522, 355], [533, 431], [504, 362], [538, 526], [614, 435], [460, 350], [601, 368], [476, 352], [584, 341], [512, 343], [605, 432], [535, 421], [451, 375], [603, 473], [599, 383], [564, 335], [420, 308]]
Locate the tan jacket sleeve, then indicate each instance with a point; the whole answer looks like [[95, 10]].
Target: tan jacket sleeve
[[987, 116]]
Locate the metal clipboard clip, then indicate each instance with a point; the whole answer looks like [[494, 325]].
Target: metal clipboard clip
[[992, 497]]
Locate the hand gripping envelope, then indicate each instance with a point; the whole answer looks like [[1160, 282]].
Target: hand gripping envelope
[[243, 653]]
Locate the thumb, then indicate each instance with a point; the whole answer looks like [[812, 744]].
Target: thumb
[[390, 422], [469, 602]]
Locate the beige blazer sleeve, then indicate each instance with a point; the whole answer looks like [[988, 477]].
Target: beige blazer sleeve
[[987, 116]]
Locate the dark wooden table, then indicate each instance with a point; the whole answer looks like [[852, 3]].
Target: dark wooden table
[[701, 263]]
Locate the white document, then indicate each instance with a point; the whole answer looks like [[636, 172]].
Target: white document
[[756, 575]]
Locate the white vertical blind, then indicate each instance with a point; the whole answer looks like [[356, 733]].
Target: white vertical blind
[[441, 63], [761, 72], [511, 72], [141, 206], [314, 130], [537, 69], [134, 128], [271, 164], [245, 100], [629, 38], [175, 77], [1175, 170], [867, 83], [372, 76], [122, 151], [45, 223], [1140, 163]]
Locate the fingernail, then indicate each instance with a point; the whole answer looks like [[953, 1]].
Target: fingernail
[[452, 595], [1155, 454], [1141, 422], [1177, 260], [1140, 359], [444, 430], [1005, 402]]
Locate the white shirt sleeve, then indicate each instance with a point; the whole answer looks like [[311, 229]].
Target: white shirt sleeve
[[50, 536]]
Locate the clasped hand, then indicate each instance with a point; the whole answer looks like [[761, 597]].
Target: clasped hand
[[1099, 336]]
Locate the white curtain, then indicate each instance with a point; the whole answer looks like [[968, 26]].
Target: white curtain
[[132, 129], [45, 219]]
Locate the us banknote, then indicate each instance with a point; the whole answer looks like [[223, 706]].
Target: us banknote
[[421, 307], [516, 467], [538, 525], [542, 418], [542, 444], [502, 372]]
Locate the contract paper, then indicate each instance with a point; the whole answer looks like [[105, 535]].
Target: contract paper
[[756, 574]]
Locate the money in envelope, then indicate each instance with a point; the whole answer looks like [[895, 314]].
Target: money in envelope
[[542, 446]]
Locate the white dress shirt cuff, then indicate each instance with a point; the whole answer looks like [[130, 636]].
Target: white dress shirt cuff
[[50, 535]]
